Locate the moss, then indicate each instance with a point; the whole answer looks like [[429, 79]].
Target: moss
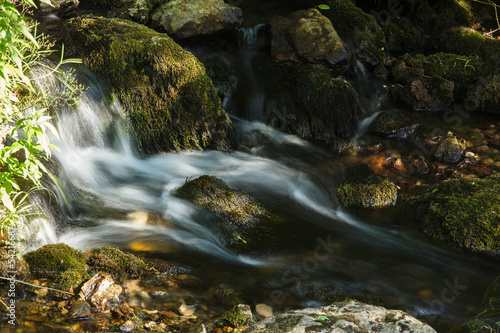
[[466, 41], [463, 71], [233, 318], [462, 212], [403, 36], [62, 263], [373, 192], [315, 105], [119, 264], [71, 279], [221, 74], [164, 89]]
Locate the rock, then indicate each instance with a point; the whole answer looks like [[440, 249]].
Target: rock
[[393, 123], [122, 311], [264, 310], [9, 262], [80, 309], [374, 191], [402, 35], [127, 326], [60, 262], [350, 316], [194, 18], [236, 317], [166, 94], [220, 73], [308, 36], [427, 94], [224, 295], [242, 222], [315, 106], [449, 149], [186, 310], [461, 40], [100, 289], [485, 93], [61, 8], [461, 212], [119, 264]]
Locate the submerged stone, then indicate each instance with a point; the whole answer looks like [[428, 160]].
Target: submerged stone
[[393, 123], [349, 316], [307, 36], [374, 191], [100, 289], [449, 149], [80, 309], [166, 94]]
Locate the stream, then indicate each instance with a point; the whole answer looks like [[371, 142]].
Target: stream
[[107, 194]]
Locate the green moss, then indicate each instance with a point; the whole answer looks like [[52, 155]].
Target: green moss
[[119, 264], [233, 318], [221, 74], [167, 95], [372, 192], [466, 41], [71, 279], [462, 212], [403, 36], [463, 71], [60, 262]]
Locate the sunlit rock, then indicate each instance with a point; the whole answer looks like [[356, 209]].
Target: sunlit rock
[[100, 289], [449, 149]]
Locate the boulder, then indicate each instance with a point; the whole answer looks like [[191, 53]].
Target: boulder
[[166, 94], [307, 36], [61, 8], [427, 94], [315, 105], [194, 18], [460, 212], [100, 289], [221, 74], [466, 41], [393, 123], [349, 316], [374, 191], [402, 36], [449, 149], [484, 95], [119, 264]]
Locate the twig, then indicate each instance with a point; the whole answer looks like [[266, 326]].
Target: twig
[[34, 285]]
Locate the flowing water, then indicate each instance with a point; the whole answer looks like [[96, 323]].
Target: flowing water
[[107, 195]]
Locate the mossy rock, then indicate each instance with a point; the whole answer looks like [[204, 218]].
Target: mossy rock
[[60, 262], [169, 99], [484, 96], [315, 105], [374, 191], [222, 75], [393, 123], [242, 222], [402, 36], [461, 212], [235, 317], [466, 41], [463, 71], [119, 264]]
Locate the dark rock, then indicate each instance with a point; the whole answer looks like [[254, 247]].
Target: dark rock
[[169, 99], [100, 289], [307, 36], [224, 295], [420, 165], [393, 123], [349, 316], [220, 73], [461, 212], [427, 94], [464, 41], [404, 74], [402, 36], [485, 94], [183, 19], [123, 310], [315, 105], [80, 309], [449, 149], [374, 191]]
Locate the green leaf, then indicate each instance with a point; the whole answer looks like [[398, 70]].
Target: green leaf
[[323, 6], [323, 318], [6, 201]]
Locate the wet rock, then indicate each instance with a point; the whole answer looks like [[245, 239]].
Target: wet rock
[[308, 36], [80, 309], [393, 123], [61, 8], [374, 191], [123, 310], [315, 105], [347, 316], [404, 74], [166, 94], [243, 221], [264, 310], [237, 316], [60, 262], [127, 326], [220, 73], [449, 149], [461, 212], [224, 295], [427, 94], [181, 19], [100, 289], [9, 262], [119, 264], [186, 310], [402, 35], [156, 327], [133, 10], [420, 165], [485, 94]]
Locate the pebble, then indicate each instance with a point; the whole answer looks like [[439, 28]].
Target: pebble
[[127, 326], [264, 310], [186, 310]]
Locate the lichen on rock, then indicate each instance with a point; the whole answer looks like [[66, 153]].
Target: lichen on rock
[[375, 191]]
